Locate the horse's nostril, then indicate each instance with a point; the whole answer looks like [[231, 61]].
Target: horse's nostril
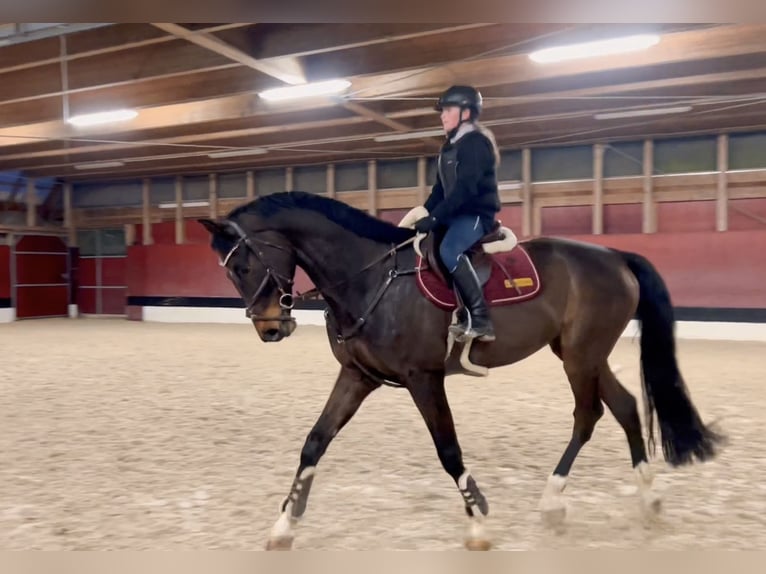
[[271, 334]]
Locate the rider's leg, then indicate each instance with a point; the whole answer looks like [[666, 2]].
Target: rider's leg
[[464, 232]]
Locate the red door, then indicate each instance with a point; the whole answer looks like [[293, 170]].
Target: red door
[[41, 281]]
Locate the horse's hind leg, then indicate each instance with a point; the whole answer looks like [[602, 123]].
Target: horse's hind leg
[[623, 406], [583, 379], [349, 392]]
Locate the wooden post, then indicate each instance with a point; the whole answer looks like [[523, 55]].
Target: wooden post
[[372, 187], [722, 193], [331, 180], [146, 212], [213, 195], [598, 189], [526, 192], [422, 180], [68, 216], [649, 219], [180, 227], [130, 234], [288, 179], [250, 185], [31, 203]]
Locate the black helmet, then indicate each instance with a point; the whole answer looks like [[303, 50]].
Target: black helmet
[[461, 96]]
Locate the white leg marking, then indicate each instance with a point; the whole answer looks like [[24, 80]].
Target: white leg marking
[[552, 504], [476, 537], [281, 534], [283, 526], [650, 500], [308, 471], [462, 482]]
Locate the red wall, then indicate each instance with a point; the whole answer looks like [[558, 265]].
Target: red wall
[[702, 267], [182, 271], [5, 272], [685, 216], [740, 209], [706, 269], [164, 233], [41, 265], [104, 278]]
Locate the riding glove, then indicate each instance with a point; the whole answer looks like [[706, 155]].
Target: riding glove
[[426, 224]]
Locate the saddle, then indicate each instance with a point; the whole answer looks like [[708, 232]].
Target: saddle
[[498, 240], [505, 270]]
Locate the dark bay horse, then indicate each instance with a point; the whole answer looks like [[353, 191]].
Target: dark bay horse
[[382, 330]]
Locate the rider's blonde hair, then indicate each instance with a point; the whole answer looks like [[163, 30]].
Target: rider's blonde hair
[[491, 137]]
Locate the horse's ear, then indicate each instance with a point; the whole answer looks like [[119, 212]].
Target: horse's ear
[[213, 227]]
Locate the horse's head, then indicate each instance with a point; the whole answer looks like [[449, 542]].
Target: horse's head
[[261, 265]]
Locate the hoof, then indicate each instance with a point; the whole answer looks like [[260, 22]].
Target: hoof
[[652, 504], [554, 516], [478, 544], [282, 543]]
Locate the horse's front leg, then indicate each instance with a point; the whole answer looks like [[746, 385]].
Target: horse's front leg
[[428, 393], [350, 390]]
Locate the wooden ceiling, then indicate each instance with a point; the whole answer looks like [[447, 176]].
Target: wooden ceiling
[[196, 87]]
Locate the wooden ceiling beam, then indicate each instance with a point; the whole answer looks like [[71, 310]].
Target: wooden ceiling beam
[[501, 106], [675, 48], [112, 43], [235, 106], [352, 149], [280, 40], [288, 70]]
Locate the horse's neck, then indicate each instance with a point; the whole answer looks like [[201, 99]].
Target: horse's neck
[[334, 258]]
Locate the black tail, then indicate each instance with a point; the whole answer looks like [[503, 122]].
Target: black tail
[[684, 435]]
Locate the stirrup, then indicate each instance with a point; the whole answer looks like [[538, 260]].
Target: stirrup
[[470, 334]]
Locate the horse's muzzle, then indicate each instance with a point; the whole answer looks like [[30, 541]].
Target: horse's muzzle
[[274, 332]]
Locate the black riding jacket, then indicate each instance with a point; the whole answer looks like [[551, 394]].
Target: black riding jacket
[[466, 181]]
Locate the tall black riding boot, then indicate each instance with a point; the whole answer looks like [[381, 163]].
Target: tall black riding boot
[[477, 324]]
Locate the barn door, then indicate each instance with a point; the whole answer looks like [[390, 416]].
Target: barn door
[[102, 287], [41, 279]]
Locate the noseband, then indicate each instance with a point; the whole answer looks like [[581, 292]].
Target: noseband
[[286, 302]]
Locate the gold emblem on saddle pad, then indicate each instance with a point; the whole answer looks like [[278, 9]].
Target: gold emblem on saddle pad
[[521, 282]]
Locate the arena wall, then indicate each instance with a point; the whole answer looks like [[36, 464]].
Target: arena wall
[[716, 278], [7, 311], [695, 206]]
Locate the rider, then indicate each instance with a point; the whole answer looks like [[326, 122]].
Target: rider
[[464, 201]]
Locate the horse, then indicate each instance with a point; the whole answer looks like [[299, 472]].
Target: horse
[[383, 331]]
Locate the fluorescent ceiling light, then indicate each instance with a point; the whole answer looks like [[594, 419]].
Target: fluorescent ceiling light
[[596, 48], [102, 117], [173, 204], [238, 152], [99, 165], [305, 90], [641, 113], [409, 135]]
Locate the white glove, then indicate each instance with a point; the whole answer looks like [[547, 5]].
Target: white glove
[[412, 216]]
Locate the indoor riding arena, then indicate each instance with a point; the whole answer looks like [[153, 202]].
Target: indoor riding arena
[[141, 408]]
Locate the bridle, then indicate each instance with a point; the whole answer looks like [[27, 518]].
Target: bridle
[[286, 302]]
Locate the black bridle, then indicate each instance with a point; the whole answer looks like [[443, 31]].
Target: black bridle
[[286, 299], [283, 283]]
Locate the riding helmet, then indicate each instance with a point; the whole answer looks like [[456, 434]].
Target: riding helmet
[[461, 96]]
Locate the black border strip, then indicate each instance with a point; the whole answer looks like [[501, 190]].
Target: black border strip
[[5, 303], [722, 314], [216, 302], [703, 314]]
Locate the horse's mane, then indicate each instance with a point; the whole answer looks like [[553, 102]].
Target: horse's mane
[[350, 218]]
